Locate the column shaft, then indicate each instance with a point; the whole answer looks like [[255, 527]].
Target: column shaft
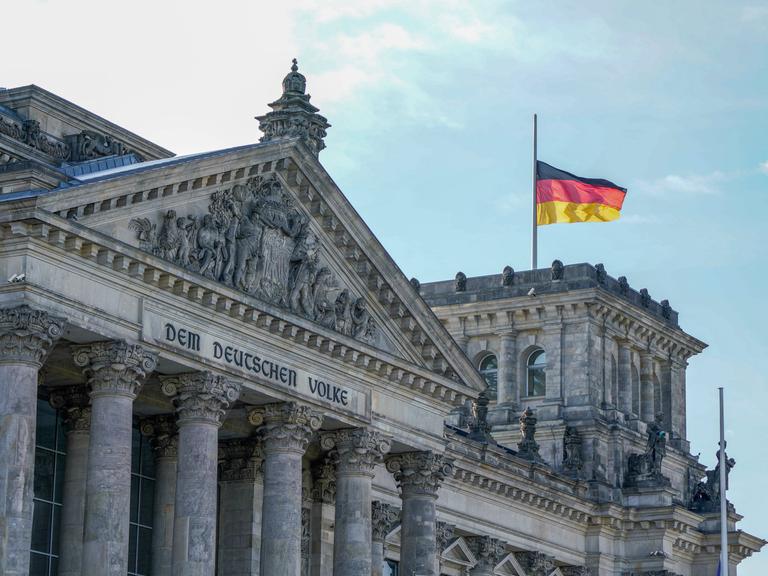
[[200, 399], [18, 417], [164, 514], [285, 430], [625, 381], [384, 518], [73, 507], [377, 558], [26, 337], [507, 386], [646, 388]]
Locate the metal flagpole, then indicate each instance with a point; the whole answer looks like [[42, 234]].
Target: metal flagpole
[[723, 501], [534, 229]]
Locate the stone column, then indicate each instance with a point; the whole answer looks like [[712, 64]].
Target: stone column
[[419, 475], [285, 429], [358, 451], [115, 372], [488, 552], [384, 518], [165, 442], [625, 378], [507, 386], [26, 337], [73, 402], [240, 507], [677, 396], [646, 387], [323, 507], [200, 399]]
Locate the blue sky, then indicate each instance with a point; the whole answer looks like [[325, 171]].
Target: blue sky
[[431, 104]]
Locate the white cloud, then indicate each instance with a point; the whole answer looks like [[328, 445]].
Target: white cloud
[[693, 184], [764, 167]]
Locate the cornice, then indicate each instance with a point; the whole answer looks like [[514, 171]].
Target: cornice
[[117, 257]]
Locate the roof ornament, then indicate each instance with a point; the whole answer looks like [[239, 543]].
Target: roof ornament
[[292, 115]]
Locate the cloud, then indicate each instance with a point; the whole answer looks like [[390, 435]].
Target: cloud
[[764, 167], [693, 184]]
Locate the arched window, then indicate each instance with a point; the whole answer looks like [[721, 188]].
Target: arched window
[[489, 369], [536, 368]]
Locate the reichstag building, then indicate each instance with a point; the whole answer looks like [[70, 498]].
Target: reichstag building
[[210, 365]]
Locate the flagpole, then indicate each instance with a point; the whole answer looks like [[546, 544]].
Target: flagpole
[[723, 501], [534, 228]]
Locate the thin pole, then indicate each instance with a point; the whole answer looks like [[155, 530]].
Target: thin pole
[[723, 501], [535, 224]]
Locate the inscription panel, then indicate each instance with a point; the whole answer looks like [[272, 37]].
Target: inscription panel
[[252, 363]]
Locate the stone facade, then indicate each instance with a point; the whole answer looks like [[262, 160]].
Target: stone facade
[[223, 330]]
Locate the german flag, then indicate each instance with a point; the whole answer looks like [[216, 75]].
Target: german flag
[[562, 197]]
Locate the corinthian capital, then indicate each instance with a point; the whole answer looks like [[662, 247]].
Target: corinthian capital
[[114, 367], [27, 335], [285, 426], [200, 396], [384, 518], [324, 480], [358, 449], [488, 551], [240, 459], [419, 472], [73, 402], [163, 435], [536, 563], [443, 535]]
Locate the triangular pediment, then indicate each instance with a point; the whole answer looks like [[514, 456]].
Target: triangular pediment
[[458, 553], [267, 220], [509, 566]]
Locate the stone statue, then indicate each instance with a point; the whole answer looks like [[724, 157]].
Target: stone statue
[[645, 298], [528, 448], [557, 270], [460, 284], [644, 470], [416, 285], [479, 429], [600, 273], [507, 276], [623, 285], [706, 494], [255, 239], [572, 451], [666, 309]]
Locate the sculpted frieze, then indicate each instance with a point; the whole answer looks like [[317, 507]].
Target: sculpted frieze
[[28, 132], [253, 238]]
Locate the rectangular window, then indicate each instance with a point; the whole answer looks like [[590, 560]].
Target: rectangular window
[[142, 505], [391, 568], [50, 456]]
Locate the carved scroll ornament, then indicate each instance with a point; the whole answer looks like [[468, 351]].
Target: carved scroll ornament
[[253, 238]]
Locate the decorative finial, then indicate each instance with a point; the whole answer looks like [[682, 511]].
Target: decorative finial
[[295, 67]]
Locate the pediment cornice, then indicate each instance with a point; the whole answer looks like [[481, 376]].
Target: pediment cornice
[[420, 333]]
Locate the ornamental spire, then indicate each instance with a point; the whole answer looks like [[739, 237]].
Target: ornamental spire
[[292, 115]]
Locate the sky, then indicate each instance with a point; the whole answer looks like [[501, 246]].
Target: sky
[[431, 105]]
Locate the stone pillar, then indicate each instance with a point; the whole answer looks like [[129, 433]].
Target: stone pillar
[[165, 442], [115, 372], [323, 494], [677, 396], [73, 402], [488, 552], [200, 399], [507, 386], [358, 450], [240, 507], [553, 346], [625, 378], [647, 413], [285, 429], [26, 337], [419, 475], [384, 518]]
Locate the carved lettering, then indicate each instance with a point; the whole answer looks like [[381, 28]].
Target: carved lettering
[[186, 338]]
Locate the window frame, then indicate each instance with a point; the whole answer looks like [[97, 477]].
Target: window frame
[[493, 389], [530, 368]]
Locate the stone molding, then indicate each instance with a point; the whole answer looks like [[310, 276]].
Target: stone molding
[[285, 426], [443, 535], [240, 459], [358, 450], [74, 404], [488, 551], [114, 368], [201, 397], [384, 518], [419, 472], [27, 335], [324, 480], [163, 434], [215, 297]]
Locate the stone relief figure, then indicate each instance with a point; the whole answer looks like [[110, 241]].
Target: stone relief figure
[[255, 239], [573, 460], [460, 283], [507, 276], [557, 270]]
